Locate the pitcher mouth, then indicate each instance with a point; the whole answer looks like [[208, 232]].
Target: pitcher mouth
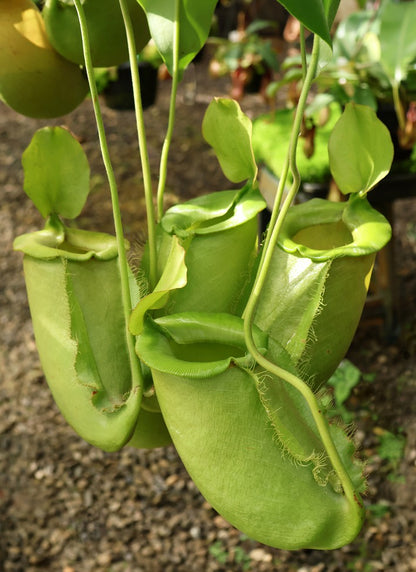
[[59, 241], [196, 344], [320, 229]]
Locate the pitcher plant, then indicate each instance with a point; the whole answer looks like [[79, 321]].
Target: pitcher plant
[[219, 340]]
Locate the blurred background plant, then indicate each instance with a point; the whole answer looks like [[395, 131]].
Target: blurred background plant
[[373, 63], [247, 57]]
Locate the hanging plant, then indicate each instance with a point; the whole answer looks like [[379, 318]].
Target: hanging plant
[[319, 274], [243, 435], [317, 283], [74, 291], [217, 231], [212, 353]]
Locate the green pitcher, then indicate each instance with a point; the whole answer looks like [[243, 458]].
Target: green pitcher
[[317, 284], [267, 474], [73, 287], [219, 232]]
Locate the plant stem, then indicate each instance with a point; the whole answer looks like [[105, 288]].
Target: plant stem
[[137, 380], [144, 155], [278, 214], [303, 51], [398, 106], [273, 232], [319, 418], [172, 113]]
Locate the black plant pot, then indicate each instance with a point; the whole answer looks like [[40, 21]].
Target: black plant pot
[[118, 94], [254, 83]]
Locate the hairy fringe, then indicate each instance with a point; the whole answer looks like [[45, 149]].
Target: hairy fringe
[[317, 460], [135, 253], [304, 359]]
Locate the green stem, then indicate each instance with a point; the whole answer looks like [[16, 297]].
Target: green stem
[[278, 213], [144, 155], [319, 418], [274, 230], [172, 113], [398, 106], [137, 380], [303, 51]]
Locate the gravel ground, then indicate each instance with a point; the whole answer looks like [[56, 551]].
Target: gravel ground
[[67, 507]]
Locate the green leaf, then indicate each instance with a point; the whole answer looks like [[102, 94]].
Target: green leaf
[[56, 173], [173, 277], [194, 24], [350, 33], [344, 379], [228, 130], [316, 15], [397, 38], [391, 447], [360, 150]]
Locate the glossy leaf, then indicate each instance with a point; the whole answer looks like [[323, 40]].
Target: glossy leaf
[[56, 173], [360, 150], [397, 38], [104, 20], [195, 20], [34, 79], [228, 130], [316, 15]]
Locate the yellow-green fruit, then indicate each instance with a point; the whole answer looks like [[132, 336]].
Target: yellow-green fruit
[[34, 79], [106, 31]]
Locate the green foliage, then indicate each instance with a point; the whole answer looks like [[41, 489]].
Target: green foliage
[[218, 552], [344, 379], [228, 130], [230, 388], [241, 557], [360, 150], [397, 38], [104, 20], [191, 19], [247, 50], [379, 510], [270, 144], [391, 448], [374, 57], [316, 15], [57, 173]]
